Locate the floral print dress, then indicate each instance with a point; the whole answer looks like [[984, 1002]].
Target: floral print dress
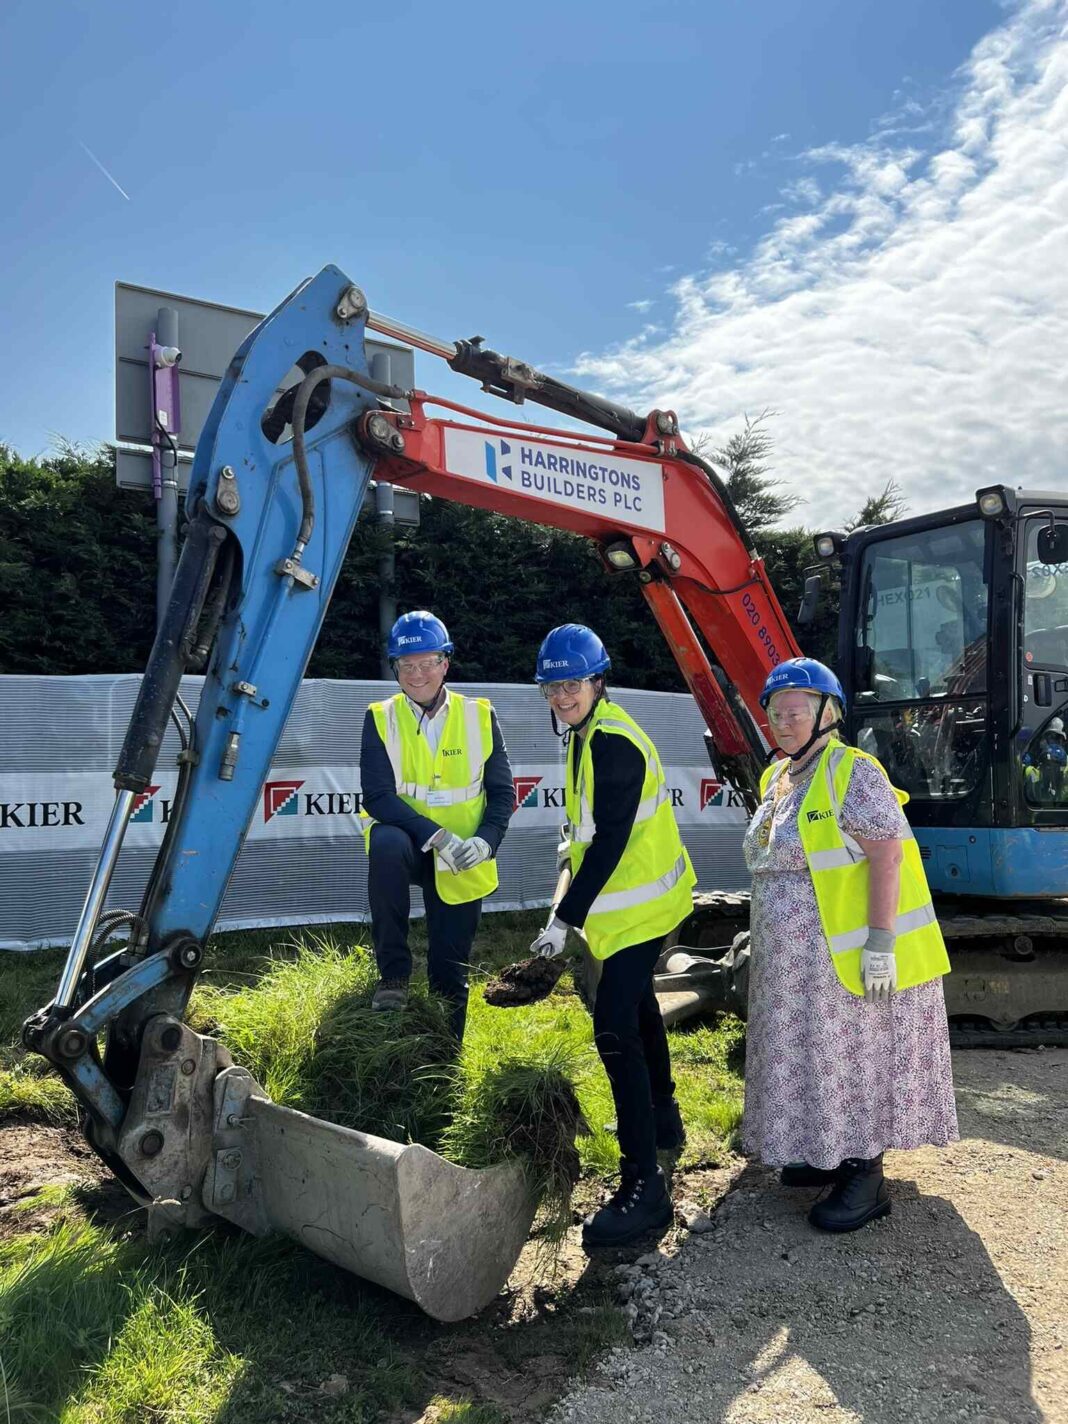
[[828, 1075]]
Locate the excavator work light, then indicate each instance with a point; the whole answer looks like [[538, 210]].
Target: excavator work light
[[994, 502], [621, 556], [829, 545]]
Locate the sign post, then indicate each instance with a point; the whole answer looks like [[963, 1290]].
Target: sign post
[[164, 389]]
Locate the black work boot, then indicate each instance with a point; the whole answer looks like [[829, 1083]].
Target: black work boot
[[639, 1204], [800, 1174], [860, 1196], [389, 995], [670, 1132]]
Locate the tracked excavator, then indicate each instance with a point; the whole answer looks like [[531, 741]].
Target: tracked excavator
[[953, 649]]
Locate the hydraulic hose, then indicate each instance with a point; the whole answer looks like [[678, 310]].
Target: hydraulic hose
[[169, 656], [300, 414]]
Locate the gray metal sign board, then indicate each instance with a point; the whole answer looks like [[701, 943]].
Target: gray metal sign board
[[208, 334]]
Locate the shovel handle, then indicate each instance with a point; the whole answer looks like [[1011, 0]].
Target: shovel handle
[[563, 884]]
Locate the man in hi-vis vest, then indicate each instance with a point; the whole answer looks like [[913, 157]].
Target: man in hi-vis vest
[[436, 795]]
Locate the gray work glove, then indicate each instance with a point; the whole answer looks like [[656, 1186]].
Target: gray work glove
[[446, 847], [878, 966], [550, 942], [473, 852]]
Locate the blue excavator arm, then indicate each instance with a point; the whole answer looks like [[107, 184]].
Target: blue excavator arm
[[269, 522]]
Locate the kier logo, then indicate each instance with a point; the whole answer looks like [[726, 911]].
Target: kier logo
[[526, 791], [142, 806], [280, 798], [711, 792]]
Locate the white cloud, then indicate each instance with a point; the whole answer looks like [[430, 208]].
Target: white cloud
[[641, 306], [912, 319]]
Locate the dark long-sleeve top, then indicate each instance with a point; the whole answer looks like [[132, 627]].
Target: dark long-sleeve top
[[618, 777], [378, 789]]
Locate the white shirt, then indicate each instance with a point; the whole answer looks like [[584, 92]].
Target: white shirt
[[431, 726]]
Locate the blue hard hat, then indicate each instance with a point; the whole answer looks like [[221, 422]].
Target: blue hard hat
[[418, 632], [802, 675], [572, 650]]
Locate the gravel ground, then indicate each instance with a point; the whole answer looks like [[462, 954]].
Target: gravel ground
[[953, 1307]]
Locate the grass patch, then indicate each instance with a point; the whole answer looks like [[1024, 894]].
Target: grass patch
[[28, 1089], [96, 1327], [462, 1411]]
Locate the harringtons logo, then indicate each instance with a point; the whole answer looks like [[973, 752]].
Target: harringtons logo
[[280, 798], [142, 806], [526, 790], [491, 460]]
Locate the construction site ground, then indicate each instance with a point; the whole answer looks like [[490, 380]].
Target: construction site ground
[[955, 1307]]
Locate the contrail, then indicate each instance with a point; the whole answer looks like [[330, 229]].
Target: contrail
[[103, 170]]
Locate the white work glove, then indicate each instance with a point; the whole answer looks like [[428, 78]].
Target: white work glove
[[473, 852], [878, 966], [550, 942], [446, 847]]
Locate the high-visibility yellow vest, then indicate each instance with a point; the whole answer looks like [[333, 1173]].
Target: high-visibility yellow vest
[[650, 890], [840, 875], [446, 785]]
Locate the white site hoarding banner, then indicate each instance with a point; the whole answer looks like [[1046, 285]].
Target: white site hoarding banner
[[303, 860], [590, 480], [70, 810]]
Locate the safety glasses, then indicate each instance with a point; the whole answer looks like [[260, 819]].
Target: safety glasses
[[424, 665], [790, 717], [567, 688]]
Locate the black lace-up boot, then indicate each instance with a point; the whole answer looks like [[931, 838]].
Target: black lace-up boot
[[800, 1174], [670, 1132], [860, 1196], [639, 1204]]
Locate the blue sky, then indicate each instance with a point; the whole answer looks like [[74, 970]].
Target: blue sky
[[695, 203]]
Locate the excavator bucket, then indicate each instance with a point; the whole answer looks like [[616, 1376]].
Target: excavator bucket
[[446, 1237]]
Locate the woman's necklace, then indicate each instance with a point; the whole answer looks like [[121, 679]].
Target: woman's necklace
[[766, 824]]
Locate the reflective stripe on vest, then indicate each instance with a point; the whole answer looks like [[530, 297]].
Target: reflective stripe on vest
[[642, 894], [649, 891], [910, 920], [583, 832]]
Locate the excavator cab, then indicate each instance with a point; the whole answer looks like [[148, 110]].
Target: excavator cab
[[953, 651]]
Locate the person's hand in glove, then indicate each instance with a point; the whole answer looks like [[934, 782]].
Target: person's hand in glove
[[878, 966], [446, 847], [473, 852], [550, 942]]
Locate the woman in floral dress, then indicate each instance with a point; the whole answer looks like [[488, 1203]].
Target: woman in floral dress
[[840, 1062]]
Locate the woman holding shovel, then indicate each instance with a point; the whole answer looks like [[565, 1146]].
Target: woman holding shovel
[[631, 885]]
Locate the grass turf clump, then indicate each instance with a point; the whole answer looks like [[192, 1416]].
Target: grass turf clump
[[391, 1074], [526, 1110], [308, 1033]]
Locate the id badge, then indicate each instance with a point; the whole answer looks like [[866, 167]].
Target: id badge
[[439, 798]]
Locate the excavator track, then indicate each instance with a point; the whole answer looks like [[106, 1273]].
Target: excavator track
[[1009, 988]]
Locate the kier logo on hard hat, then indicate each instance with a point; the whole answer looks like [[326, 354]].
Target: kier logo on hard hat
[[280, 798], [526, 791]]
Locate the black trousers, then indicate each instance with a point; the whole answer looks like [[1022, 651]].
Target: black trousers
[[632, 1042], [396, 864]]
